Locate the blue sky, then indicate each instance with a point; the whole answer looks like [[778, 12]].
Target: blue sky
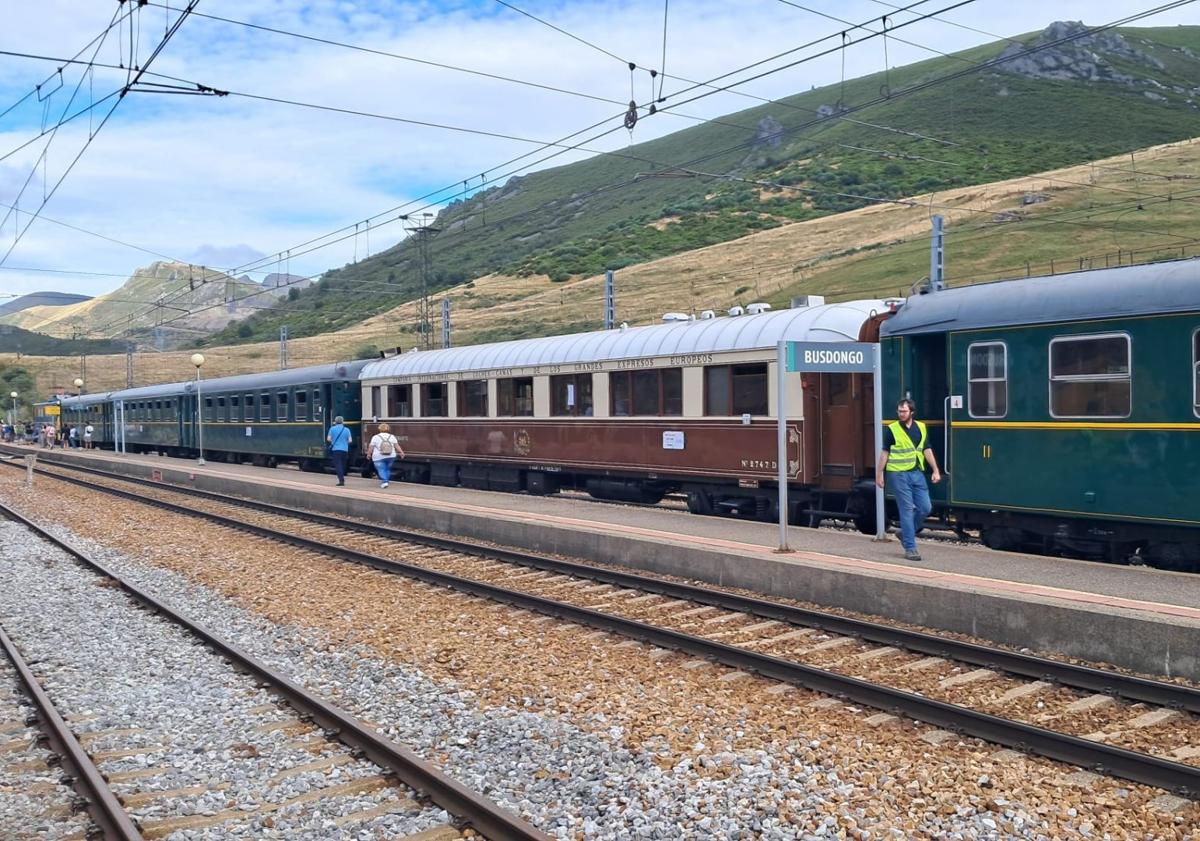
[[223, 181]]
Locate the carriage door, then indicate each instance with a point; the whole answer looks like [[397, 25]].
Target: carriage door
[[840, 438], [929, 386], [320, 399]]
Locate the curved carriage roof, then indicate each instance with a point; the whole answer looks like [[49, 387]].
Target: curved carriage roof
[[248, 382], [1099, 293], [80, 400], [826, 323]]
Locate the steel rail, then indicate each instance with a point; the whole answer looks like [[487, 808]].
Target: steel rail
[[485, 816], [102, 804], [1089, 678], [1106, 759]]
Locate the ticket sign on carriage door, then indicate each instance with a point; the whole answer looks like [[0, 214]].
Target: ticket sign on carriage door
[[826, 358]]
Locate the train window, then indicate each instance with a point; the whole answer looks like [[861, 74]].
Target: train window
[[672, 391], [264, 407], [400, 401], [208, 409], [472, 399], [1196, 372], [222, 411], [433, 400], [622, 401], [1090, 376], [657, 392], [316, 404], [301, 405], [514, 397], [281, 402], [735, 389], [251, 409], [987, 376], [571, 394], [235, 408]]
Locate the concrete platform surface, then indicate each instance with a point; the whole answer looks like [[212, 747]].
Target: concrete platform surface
[[1135, 617]]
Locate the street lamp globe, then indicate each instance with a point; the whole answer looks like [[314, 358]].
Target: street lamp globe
[[197, 359], [13, 395], [78, 382]]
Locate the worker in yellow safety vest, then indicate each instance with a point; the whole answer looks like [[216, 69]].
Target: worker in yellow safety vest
[[903, 459]]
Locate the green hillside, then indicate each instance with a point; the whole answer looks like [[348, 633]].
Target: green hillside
[[28, 343], [793, 160]]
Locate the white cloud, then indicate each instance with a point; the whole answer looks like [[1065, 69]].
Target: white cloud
[[172, 173]]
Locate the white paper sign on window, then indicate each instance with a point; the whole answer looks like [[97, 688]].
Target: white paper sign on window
[[673, 440]]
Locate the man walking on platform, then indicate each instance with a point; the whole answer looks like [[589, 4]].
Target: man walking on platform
[[339, 439], [905, 452]]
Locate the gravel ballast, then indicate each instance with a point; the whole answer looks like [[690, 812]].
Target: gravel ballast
[[588, 738], [144, 696]]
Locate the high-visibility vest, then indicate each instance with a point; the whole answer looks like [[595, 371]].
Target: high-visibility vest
[[903, 455]]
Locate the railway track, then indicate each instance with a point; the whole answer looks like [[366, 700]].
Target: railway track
[[1122, 725], [154, 753]]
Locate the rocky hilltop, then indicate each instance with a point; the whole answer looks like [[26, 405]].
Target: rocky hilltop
[[1077, 55]]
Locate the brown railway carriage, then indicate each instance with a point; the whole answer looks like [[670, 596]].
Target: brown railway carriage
[[637, 413]]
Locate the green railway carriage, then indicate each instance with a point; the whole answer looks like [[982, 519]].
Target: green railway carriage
[[262, 418], [1065, 409], [282, 415], [88, 409]]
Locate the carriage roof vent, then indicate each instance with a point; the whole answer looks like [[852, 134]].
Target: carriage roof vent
[[808, 301], [707, 314], [670, 317], [737, 310], [758, 307]]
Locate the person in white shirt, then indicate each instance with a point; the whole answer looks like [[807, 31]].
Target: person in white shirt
[[88, 431], [383, 451]]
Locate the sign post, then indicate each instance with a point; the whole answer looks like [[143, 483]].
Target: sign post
[[826, 358]]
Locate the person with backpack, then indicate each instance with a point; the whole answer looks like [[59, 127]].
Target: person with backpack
[[88, 432], [383, 451], [339, 439]]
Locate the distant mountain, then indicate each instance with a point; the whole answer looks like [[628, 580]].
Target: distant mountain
[[1077, 97], [166, 303], [41, 299]]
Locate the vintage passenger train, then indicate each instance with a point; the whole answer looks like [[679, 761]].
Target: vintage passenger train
[[1065, 409]]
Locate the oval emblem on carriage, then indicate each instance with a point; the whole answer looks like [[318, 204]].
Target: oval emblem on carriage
[[522, 442]]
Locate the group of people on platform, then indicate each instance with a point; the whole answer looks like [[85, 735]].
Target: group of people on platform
[[383, 450], [47, 435]]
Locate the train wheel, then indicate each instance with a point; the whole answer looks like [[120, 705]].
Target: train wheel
[[1175, 556], [699, 502]]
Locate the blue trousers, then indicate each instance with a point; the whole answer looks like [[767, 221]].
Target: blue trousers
[[383, 466], [339, 458], [912, 500]]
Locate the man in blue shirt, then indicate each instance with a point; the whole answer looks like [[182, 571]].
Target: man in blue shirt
[[339, 439]]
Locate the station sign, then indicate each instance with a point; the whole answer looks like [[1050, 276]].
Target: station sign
[[830, 357]]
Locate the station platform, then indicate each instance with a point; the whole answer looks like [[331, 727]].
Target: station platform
[[1136, 618]]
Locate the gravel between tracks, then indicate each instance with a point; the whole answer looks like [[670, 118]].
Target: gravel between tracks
[[585, 737], [138, 686], [34, 801]]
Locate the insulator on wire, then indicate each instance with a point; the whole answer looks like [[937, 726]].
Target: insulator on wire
[[631, 116]]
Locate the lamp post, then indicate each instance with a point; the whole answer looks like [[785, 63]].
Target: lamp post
[[198, 360], [13, 419]]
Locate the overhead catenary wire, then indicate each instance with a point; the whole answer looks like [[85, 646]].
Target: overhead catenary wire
[[91, 137]]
